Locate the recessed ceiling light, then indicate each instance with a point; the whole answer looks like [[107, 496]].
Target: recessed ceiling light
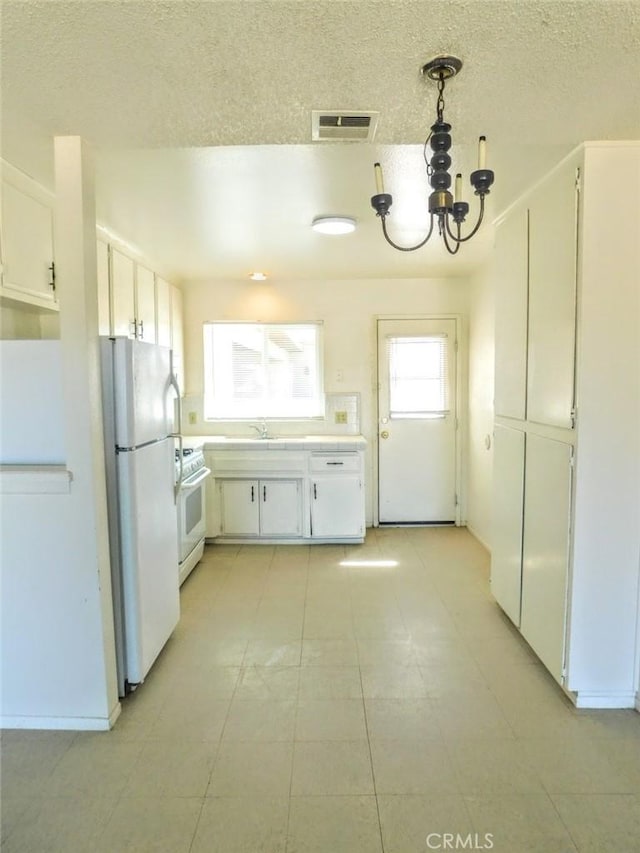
[[334, 224], [258, 276]]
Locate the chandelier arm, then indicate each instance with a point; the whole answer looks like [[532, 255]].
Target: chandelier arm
[[405, 248], [460, 239], [446, 231]]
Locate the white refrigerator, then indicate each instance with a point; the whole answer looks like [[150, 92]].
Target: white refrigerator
[[138, 404]]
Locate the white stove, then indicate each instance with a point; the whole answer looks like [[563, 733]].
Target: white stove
[[191, 474], [192, 461]]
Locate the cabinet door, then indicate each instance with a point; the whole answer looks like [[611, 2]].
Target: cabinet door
[[552, 300], [27, 246], [122, 294], [508, 492], [163, 312], [511, 278], [239, 508], [176, 336], [280, 508], [145, 304], [104, 308], [545, 552], [337, 508]]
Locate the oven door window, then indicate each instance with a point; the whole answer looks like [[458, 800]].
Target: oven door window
[[193, 510]]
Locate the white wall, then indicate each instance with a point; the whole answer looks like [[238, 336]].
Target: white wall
[[480, 423], [348, 310], [58, 647], [22, 324]]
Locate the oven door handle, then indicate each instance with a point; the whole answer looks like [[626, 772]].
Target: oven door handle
[[198, 477]]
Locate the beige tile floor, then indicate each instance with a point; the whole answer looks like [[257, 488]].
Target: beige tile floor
[[304, 706]]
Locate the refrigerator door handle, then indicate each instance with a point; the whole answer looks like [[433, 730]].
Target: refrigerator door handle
[[174, 384]]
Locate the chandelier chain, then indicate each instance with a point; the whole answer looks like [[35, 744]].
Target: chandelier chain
[[440, 102], [440, 114]]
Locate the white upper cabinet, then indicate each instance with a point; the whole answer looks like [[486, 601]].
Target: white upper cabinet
[[27, 241], [163, 312], [512, 281], [123, 311], [133, 298], [104, 306], [145, 298], [177, 344], [552, 299]]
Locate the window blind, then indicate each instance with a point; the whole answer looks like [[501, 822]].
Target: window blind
[[418, 376], [263, 370]]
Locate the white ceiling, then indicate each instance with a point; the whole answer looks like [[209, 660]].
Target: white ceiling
[[200, 115]]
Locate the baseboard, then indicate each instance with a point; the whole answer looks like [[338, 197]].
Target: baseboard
[[584, 699], [638, 702], [477, 536], [79, 724]]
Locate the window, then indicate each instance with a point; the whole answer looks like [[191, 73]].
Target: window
[[262, 370], [418, 376]]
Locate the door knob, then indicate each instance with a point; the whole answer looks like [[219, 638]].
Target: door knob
[[384, 434]]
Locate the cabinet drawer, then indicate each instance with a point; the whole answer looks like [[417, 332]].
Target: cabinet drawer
[[334, 462]]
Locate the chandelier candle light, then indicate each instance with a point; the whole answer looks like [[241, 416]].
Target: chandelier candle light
[[442, 205]]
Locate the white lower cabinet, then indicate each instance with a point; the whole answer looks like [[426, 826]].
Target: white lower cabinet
[[268, 493], [545, 549], [280, 507], [336, 507], [508, 496], [260, 508]]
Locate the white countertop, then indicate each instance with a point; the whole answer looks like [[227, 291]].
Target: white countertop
[[289, 442]]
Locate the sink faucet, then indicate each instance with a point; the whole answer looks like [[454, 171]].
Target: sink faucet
[[262, 429]]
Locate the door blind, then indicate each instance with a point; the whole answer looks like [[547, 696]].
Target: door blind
[[418, 376]]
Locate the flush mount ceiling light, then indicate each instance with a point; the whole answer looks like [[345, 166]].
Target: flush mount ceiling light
[[443, 207], [334, 224], [258, 276]]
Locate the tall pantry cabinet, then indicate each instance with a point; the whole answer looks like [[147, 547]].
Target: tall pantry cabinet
[[566, 549]]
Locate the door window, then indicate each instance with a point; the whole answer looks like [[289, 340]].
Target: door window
[[418, 376]]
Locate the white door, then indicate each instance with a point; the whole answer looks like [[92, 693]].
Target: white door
[[163, 312], [508, 495], [143, 395], [417, 421], [280, 507], [145, 304], [104, 308], [336, 507], [123, 315], [239, 507], [545, 548], [27, 244], [149, 553]]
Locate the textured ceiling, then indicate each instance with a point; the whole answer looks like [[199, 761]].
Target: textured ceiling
[[538, 79]]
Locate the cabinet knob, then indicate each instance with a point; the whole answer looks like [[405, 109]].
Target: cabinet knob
[[384, 434]]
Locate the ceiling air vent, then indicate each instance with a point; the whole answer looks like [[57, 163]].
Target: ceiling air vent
[[343, 126]]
